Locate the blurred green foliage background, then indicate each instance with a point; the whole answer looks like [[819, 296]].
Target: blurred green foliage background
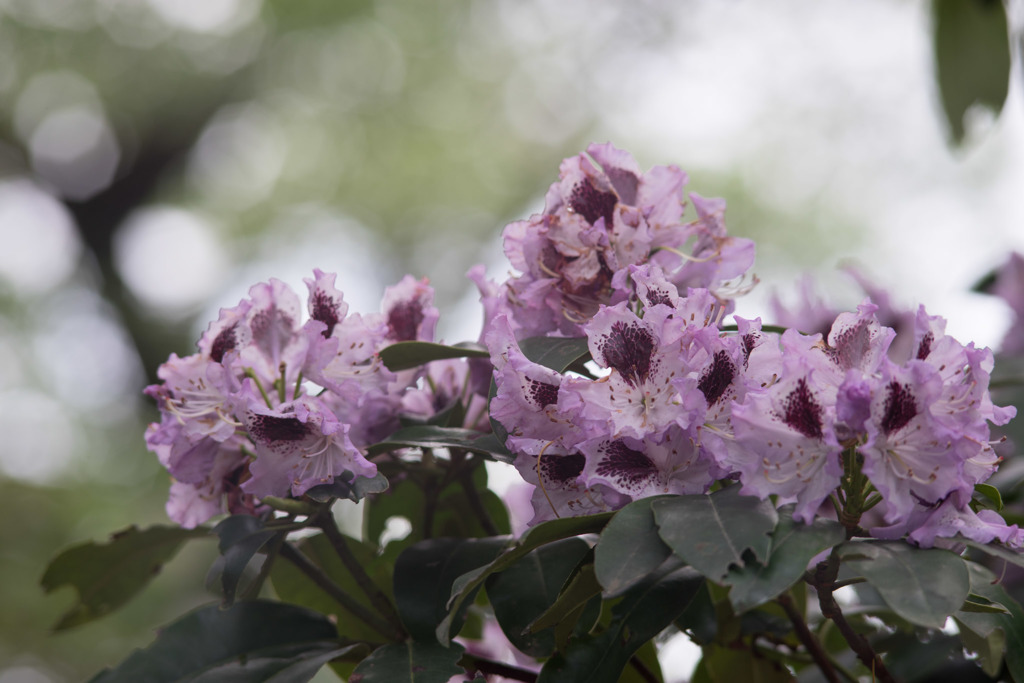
[[157, 157]]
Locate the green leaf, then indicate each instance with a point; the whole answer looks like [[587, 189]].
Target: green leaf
[[629, 548], [579, 590], [988, 648], [107, 576], [922, 586], [642, 613], [556, 353], [524, 591], [347, 485], [995, 550], [254, 641], [793, 545], [546, 532], [424, 574], [241, 537], [711, 532], [430, 436], [410, 354], [972, 57], [987, 630], [979, 605], [990, 493], [411, 662], [293, 586]]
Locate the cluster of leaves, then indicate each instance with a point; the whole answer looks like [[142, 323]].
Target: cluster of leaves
[[585, 599]]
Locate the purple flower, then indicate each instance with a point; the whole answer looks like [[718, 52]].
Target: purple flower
[[984, 526], [299, 445], [527, 402], [640, 395], [648, 467], [714, 258], [559, 490], [909, 457], [198, 393], [409, 310], [784, 439]]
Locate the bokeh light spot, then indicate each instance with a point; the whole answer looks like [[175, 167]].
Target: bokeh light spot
[[41, 245], [170, 258]]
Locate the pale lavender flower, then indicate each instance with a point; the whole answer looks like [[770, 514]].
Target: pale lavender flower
[[559, 490], [784, 439], [640, 395], [299, 445], [639, 468], [408, 308]]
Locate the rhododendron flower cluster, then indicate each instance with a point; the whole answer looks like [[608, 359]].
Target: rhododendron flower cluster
[[888, 432], [272, 405], [681, 402]]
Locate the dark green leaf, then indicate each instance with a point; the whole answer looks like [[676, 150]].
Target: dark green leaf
[[989, 649], [643, 612], [292, 585], [526, 589], [995, 550], [410, 354], [254, 641], [546, 532], [557, 353], [922, 586], [577, 593], [346, 485], [991, 494], [429, 436], [424, 574], [711, 533], [629, 548], [979, 605], [793, 545], [987, 631], [411, 662], [985, 284], [107, 576], [241, 536], [700, 619], [972, 57]]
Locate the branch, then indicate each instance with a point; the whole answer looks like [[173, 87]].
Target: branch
[[807, 638], [824, 583]]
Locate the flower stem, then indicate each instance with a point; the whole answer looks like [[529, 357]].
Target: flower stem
[[325, 521], [473, 496], [324, 582]]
